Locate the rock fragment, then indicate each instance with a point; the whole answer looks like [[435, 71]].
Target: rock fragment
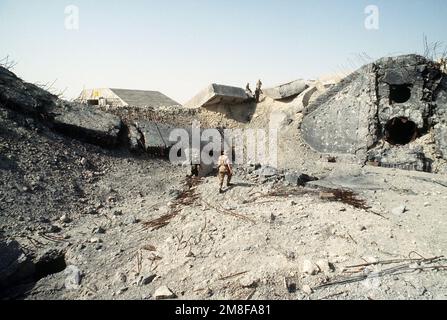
[[310, 268], [73, 278], [164, 292]]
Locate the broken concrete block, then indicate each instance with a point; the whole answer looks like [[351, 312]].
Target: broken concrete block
[[404, 158], [310, 268], [307, 289], [164, 293], [145, 280], [155, 135], [266, 171], [306, 96], [151, 135], [215, 94], [73, 278], [399, 210], [325, 266], [298, 179], [287, 90], [89, 125], [249, 281]]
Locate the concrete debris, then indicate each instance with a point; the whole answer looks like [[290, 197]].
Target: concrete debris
[[129, 220], [287, 90], [164, 292], [298, 179], [266, 171], [399, 210], [121, 278], [307, 289], [306, 96], [325, 266], [73, 278], [145, 280], [99, 230], [65, 219], [249, 281], [309, 268], [84, 162], [217, 94]]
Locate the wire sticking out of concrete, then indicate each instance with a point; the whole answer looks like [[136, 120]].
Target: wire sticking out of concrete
[[402, 268]]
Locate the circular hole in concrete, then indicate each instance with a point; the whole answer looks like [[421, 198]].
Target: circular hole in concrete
[[400, 93], [400, 131]]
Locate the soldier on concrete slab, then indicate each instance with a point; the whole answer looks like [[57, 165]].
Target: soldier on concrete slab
[[443, 64], [258, 90], [248, 90]]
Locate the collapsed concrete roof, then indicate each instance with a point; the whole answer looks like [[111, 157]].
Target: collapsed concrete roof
[[217, 93], [287, 90], [127, 97], [394, 100]]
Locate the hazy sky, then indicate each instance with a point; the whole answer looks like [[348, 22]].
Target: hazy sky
[[178, 46]]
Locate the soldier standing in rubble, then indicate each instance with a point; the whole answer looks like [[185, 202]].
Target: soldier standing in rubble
[[248, 90], [224, 169], [258, 91], [443, 64]]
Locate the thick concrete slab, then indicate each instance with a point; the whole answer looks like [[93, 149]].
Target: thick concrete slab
[[156, 135], [89, 124], [151, 135], [215, 94], [287, 90]]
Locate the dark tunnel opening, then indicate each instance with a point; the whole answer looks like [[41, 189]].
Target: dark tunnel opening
[[400, 131], [400, 93]]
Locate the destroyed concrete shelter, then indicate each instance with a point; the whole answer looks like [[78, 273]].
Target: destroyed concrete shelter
[[383, 115], [92, 209]]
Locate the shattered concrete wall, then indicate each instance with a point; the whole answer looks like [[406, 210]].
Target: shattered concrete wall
[[385, 105]]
